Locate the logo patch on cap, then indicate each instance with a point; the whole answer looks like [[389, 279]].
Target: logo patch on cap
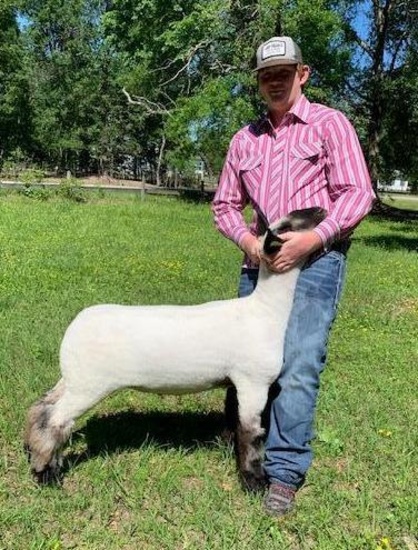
[[273, 49]]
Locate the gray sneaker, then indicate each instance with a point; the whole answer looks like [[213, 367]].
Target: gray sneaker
[[279, 500]]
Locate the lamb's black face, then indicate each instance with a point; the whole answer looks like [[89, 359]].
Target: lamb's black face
[[298, 220]]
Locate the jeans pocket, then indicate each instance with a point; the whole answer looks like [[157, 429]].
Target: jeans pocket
[[322, 280]]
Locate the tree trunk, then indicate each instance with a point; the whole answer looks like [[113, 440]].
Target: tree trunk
[[374, 132], [159, 162]]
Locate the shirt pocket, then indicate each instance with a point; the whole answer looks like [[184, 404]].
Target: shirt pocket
[[251, 171], [307, 151], [306, 163], [251, 162]]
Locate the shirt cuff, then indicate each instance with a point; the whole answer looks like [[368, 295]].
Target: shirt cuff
[[328, 231]]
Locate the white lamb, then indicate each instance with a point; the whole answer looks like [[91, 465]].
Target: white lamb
[[174, 350]]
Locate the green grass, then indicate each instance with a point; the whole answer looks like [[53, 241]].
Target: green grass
[[409, 202], [150, 472]]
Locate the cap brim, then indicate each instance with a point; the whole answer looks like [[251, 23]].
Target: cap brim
[[276, 63]]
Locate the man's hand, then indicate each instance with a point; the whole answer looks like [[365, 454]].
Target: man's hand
[[252, 248], [296, 247]]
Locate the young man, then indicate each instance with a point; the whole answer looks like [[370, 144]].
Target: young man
[[299, 155]]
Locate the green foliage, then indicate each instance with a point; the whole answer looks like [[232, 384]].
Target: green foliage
[[14, 163], [30, 176], [78, 108], [71, 190], [333, 443], [187, 67], [317, 28], [15, 124], [381, 50], [400, 124], [36, 193], [194, 73], [208, 120]]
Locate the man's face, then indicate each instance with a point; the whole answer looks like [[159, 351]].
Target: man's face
[[281, 85]]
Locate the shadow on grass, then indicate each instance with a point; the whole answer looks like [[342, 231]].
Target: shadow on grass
[[129, 430], [392, 242], [384, 211], [406, 227]]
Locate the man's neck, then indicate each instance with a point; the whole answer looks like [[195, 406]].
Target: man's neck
[[276, 115], [276, 118]]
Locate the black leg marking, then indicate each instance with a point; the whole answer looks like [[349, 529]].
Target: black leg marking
[[231, 414], [250, 454]]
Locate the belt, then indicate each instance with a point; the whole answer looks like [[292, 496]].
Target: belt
[[340, 246]]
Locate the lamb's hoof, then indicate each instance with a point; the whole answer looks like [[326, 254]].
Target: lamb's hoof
[[47, 477], [253, 482]]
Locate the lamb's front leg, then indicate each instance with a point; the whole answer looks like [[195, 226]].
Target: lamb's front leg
[[252, 400]]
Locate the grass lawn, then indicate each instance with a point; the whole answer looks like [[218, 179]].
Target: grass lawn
[[410, 202], [149, 472]]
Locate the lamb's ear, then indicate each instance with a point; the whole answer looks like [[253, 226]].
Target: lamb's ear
[[272, 243], [262, 223]]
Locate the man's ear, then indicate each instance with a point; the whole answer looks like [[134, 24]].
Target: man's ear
[[304, 72], [272, 243]]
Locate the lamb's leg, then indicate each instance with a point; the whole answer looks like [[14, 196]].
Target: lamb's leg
[[49, 424], [249, 437]]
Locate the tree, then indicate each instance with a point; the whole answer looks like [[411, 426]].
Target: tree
[[194, 73], [380, 50], [15, 118], [171, 81], [79, 115], [398, 149]]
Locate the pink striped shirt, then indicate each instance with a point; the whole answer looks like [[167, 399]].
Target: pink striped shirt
[[312, 159]]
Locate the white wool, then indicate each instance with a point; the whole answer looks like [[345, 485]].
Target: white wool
[[181, 349]]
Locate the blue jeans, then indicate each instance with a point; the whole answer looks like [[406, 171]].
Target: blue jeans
[[288, 453]]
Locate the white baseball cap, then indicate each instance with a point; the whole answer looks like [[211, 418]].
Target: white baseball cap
[[279, 50]]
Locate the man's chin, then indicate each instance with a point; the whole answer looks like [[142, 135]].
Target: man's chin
[[278, 105], [278, 99]]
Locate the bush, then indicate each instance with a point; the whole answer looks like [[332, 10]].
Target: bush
[[14, 164], [71, 190], [37, 193], [31, 176]]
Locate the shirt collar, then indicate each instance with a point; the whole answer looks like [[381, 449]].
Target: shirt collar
[[301, 109]]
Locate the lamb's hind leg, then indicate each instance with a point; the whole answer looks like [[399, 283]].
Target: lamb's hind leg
[[249, 436], [48, 427]]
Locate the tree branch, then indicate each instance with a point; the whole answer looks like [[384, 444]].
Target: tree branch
[[403, 39], [357, 92], [151, 107], [352, 35], [189, 58]]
